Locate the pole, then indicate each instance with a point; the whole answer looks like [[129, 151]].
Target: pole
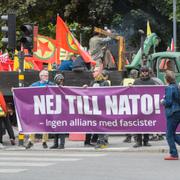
[[174, 25], [21, 84], [21, 68]]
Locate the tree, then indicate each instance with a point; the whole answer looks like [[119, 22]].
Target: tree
[[126, 15]]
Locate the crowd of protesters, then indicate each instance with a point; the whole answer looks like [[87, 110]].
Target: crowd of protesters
[[145, 76], [171, 102]]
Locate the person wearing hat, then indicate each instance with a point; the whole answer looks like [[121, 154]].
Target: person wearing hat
[[59, 80], [144, 79]]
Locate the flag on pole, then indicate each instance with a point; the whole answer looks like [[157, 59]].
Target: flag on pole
[[148, 29], [46, 50], [172, 45], [1, 68], [67, 41], [6, 64], [2, 104]]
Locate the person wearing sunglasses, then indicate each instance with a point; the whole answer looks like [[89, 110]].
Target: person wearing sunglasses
[[144, 79]]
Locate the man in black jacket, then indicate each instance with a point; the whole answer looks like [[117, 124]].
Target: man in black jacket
[[144, 79]]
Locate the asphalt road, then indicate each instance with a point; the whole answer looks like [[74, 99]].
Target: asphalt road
[[60, 165]]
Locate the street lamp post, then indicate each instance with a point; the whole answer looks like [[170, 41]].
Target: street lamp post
[[174, 24]]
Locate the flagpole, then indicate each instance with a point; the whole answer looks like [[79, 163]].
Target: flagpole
[[174, 24], [58, 61]]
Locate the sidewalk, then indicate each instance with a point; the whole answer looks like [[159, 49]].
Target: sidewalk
[[115, 145]]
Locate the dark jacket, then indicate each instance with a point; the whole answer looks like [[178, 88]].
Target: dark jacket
[[172, 99], [99, 83], [148, 81]]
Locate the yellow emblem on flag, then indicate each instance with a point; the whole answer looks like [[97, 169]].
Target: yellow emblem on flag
[[71, 42], [45, 48]]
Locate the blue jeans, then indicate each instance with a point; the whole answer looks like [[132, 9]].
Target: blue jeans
[[172, 124]]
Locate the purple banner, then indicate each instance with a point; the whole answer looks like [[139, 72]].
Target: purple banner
[[103, 109]]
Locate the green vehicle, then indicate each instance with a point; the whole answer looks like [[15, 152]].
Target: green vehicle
[[162, 61], [150, 43], [159, 62]]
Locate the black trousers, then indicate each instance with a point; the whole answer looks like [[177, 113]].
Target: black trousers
[[9, 128], [1, 129], [57, 137], [91, 138], [142, 138]]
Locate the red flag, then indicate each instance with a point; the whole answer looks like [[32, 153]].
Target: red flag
[[172, 45], [1, 68], [3, 103], [6, 64], [46, 50], [171, 48], [67, 41]]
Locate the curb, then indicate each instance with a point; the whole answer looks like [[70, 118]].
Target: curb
[[159, 149]]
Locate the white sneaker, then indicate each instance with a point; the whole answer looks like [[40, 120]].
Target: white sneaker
[[1, 146]]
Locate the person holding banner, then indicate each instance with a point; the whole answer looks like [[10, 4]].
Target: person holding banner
[[44, 81], [144, 79], [99, 80], [171, 103], [128, 82], [59, 80]]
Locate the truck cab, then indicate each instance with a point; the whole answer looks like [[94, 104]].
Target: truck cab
[[162, 61]]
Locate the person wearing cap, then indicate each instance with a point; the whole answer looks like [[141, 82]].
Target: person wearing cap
[[59, 80], [43, 82], [144, 79]]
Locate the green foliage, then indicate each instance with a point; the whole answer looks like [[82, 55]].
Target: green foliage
[[83, 15]]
